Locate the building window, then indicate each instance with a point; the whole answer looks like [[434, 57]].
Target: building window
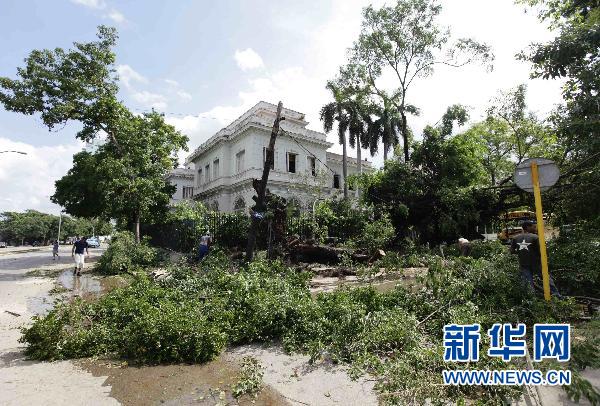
[[207, 173], [336, 181], [199, 178], [269, 153], [215, 169], [312, 164], [291, 162], [214, 206], [188, 192], [239, 161]]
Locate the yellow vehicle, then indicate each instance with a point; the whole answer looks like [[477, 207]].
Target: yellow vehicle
[[512, 224]]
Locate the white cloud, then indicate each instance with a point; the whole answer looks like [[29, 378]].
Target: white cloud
[[26, 181], [148, 99], [127, 75], [172, 82], [97, 4], [248, 59], [184, 95], [116, 16]]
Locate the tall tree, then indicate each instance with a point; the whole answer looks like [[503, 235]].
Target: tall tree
[[406, 40], [128, 182], [125, 177], [573, 56]]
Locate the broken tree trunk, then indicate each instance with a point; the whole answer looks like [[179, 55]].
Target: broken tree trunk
[[261, 186], [324, 254]]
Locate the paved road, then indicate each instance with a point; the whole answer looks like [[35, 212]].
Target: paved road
[[19, 262], [24, 382]]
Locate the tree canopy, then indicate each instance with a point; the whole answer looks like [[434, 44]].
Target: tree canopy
[[572, 55], [124, 178], [406, 40]]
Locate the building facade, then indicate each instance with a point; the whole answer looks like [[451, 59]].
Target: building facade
[[303, 171], [183, 180]]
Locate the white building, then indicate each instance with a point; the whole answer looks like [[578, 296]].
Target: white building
[[183, 179], [303, 171]]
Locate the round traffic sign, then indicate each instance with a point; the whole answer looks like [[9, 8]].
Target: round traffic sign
[[548, 174]]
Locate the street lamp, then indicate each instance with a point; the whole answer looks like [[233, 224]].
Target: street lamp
[[59, 223], [16, 152]]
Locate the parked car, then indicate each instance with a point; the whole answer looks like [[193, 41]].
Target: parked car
[[93, 242], [2, 244]]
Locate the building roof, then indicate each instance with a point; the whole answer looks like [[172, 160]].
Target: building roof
[[353, 161], [262, 114]]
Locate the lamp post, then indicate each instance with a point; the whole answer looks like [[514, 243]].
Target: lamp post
[[59, 223]]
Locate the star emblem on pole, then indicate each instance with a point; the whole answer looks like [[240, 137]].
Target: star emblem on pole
[[523, 245]]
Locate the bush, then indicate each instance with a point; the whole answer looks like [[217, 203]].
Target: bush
[[376, 235], [574, 260], [125, 255], [341, 219]]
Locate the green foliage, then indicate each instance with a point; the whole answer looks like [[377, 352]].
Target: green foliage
[[128, 174], [124, 178], [576, 26], [430, 201], [250, 380], [487, 249], [63, 85], [341, 219], [395, 336], [377, 234], [32, 225], [388, 35], [143, 322], [574, 259], [125, 255]]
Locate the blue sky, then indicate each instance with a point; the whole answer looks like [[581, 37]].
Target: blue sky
[[204, 62]]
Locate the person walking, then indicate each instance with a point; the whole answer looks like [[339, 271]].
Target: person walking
[[204, 246], [527, 246], [464, 247], [79, 247], [55, 250]]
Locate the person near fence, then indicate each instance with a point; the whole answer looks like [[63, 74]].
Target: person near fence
[[204, 246]]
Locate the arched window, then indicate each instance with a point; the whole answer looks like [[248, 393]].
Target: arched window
[[214, 206], [239, 204]]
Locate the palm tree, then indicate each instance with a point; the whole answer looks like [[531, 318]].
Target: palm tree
[[385, 128], [350, 118]]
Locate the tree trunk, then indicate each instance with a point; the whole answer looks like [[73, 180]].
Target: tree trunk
[[385, 150], [261, 187], [345, 166], [358, 159], [404, 136], [137, 228]]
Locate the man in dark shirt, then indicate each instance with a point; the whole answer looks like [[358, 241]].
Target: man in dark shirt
[[78, 253], [527, 246]]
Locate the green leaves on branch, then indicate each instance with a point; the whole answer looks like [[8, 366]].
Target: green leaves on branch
[[68, 85]]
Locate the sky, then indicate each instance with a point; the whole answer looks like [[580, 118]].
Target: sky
[[204, 62]]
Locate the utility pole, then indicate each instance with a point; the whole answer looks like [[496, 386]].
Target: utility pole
[[261, 187], [59, 223]]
